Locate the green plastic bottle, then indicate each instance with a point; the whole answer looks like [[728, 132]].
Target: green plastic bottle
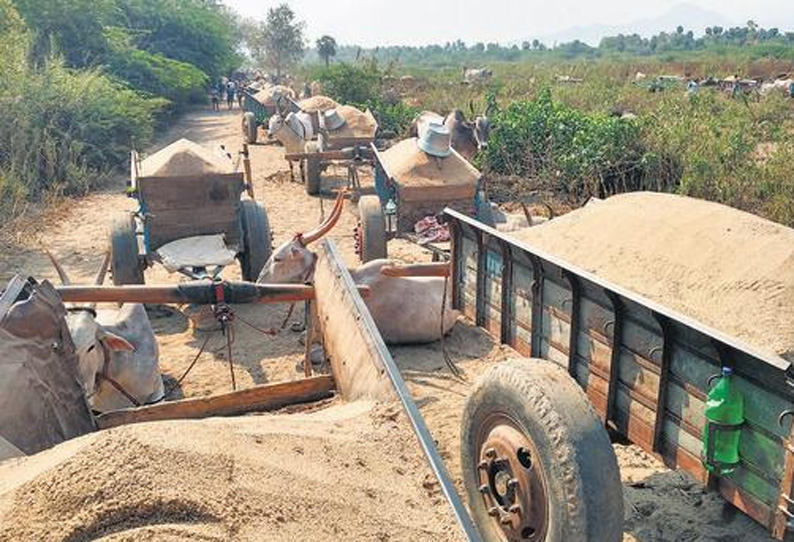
[[724, 406]]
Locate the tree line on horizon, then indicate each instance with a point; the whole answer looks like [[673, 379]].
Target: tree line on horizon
[[751, 37]]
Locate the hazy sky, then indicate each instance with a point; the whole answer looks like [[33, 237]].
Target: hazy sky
[[381, 22]]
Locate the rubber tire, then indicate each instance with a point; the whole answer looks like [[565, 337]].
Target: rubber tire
[[372, 230], [125, 263], [313, 180], [257, 241], [582, 474], [249, 127]]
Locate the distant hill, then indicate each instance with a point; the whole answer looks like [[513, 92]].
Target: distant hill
[[689, 16]]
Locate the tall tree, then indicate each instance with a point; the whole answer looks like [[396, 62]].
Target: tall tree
[[70, 28], [326, 48], [199, 32], [278, 42]]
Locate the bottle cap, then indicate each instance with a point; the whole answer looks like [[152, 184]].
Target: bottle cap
[[727, 371]]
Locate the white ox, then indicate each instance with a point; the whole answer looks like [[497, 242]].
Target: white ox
[[779, 85], [476, 75], [407, 310], [117, 352], [292, 131]]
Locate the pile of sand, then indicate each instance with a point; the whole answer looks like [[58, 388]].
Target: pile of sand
[[317, 104], [412, 168], [726, 268], [349, 472], [184, 157], [358, 124], [270, 94]]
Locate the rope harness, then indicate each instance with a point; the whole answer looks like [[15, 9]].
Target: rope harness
[[224, 314], [447, 358]]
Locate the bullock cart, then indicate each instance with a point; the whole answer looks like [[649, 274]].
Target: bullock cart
[[361, 366], [410, 185], [646, 371], [190, 217], [261, 104], [344, 136]]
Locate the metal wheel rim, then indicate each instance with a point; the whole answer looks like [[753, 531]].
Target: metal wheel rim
[[511, 479]]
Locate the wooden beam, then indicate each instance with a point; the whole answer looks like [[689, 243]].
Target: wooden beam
[[341, 154], [437, 269], [257, 399], [350, 338], [198, 292]]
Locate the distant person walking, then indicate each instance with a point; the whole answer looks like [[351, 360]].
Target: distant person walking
[[736, 90], [216, 99], [230, 90], [791, 89]]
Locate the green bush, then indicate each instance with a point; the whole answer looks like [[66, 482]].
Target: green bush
[[361, 85], [394, 118], [566, 149], [155, 74], [61, 129], [67, 128], [350, 83]]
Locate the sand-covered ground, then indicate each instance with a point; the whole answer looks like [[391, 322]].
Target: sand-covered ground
[[349, 472]]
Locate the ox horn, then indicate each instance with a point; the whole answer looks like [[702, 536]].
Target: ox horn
[[315, 234], [527, 213], [58, 269]]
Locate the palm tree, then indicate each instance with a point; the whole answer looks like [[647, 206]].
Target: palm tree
[[326, 48]]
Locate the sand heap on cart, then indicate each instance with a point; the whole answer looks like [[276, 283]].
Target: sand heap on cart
[[359, 125], [316, 104], [426, 184], [726, 268], [185, 158], [349, 472], [270, 95]]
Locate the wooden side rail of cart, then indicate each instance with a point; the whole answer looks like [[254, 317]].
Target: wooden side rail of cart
[[644, 367]]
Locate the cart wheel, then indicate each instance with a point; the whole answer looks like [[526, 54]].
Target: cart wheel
[[125, 264], [371, 231], [256, 238], [537, 462], [312, 170], [249, 127]]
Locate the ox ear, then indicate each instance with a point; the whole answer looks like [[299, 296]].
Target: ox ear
[[115, 342]]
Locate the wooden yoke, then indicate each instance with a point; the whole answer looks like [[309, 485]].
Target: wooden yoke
[[196, 292]]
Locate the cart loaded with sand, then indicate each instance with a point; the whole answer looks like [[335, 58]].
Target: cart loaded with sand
[[47, 395], [192, 216], [261, 101], [414, 181], [323, 133]]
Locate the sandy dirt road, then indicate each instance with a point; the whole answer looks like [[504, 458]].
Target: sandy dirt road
[[660, 505]]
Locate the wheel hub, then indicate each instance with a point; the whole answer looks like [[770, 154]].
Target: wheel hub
[[512, 484]]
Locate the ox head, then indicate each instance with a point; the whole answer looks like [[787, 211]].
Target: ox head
[[293, 262], [275, 124], [469, 135], [291, 122], [92, 341]]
